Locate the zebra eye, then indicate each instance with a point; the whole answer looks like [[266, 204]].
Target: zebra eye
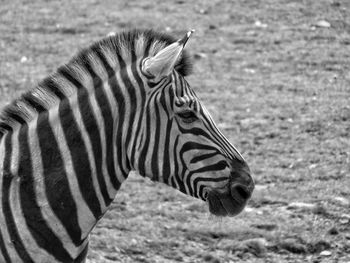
[[187, 116]]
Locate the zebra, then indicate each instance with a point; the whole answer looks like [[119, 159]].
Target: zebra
[[66, 146]]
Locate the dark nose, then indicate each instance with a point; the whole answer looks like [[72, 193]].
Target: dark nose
[[242, 183], [241, 193]]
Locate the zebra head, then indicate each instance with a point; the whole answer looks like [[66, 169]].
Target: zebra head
[[179, 143]]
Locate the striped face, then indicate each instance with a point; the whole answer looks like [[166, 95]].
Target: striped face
[[181, 146]]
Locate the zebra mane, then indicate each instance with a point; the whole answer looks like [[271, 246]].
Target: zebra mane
[[23, 109]]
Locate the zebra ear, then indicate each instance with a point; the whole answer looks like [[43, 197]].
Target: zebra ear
[[163, 63]]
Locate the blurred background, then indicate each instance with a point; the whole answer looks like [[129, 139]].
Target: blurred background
[[275, 76]]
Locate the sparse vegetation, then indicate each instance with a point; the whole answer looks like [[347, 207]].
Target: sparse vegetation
[[276, 77]]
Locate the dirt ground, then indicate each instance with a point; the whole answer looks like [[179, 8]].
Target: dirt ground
[[275, 75]]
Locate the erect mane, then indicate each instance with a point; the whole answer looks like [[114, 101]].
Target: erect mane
[[21, 110]]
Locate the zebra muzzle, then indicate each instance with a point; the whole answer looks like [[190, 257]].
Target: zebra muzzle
[[240, 193], [230, 203]]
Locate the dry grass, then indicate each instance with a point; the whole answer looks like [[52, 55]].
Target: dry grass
[[277, 85]]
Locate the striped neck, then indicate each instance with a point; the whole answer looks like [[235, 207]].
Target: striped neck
[[67, 142]]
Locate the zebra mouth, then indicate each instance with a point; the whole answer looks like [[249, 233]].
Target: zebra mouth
[[225, 204]]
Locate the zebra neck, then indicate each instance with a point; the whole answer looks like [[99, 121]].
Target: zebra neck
[[72, 158], [107, 112]]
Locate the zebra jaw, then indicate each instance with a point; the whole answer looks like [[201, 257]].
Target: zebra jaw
[[163, 63]]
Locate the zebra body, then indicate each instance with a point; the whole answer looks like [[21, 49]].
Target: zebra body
[[66, 146]]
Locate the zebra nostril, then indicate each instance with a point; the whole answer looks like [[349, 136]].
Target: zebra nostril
[[244, 179], [241, 192]]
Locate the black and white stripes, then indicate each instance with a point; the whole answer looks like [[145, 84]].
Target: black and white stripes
[[67, 145]]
